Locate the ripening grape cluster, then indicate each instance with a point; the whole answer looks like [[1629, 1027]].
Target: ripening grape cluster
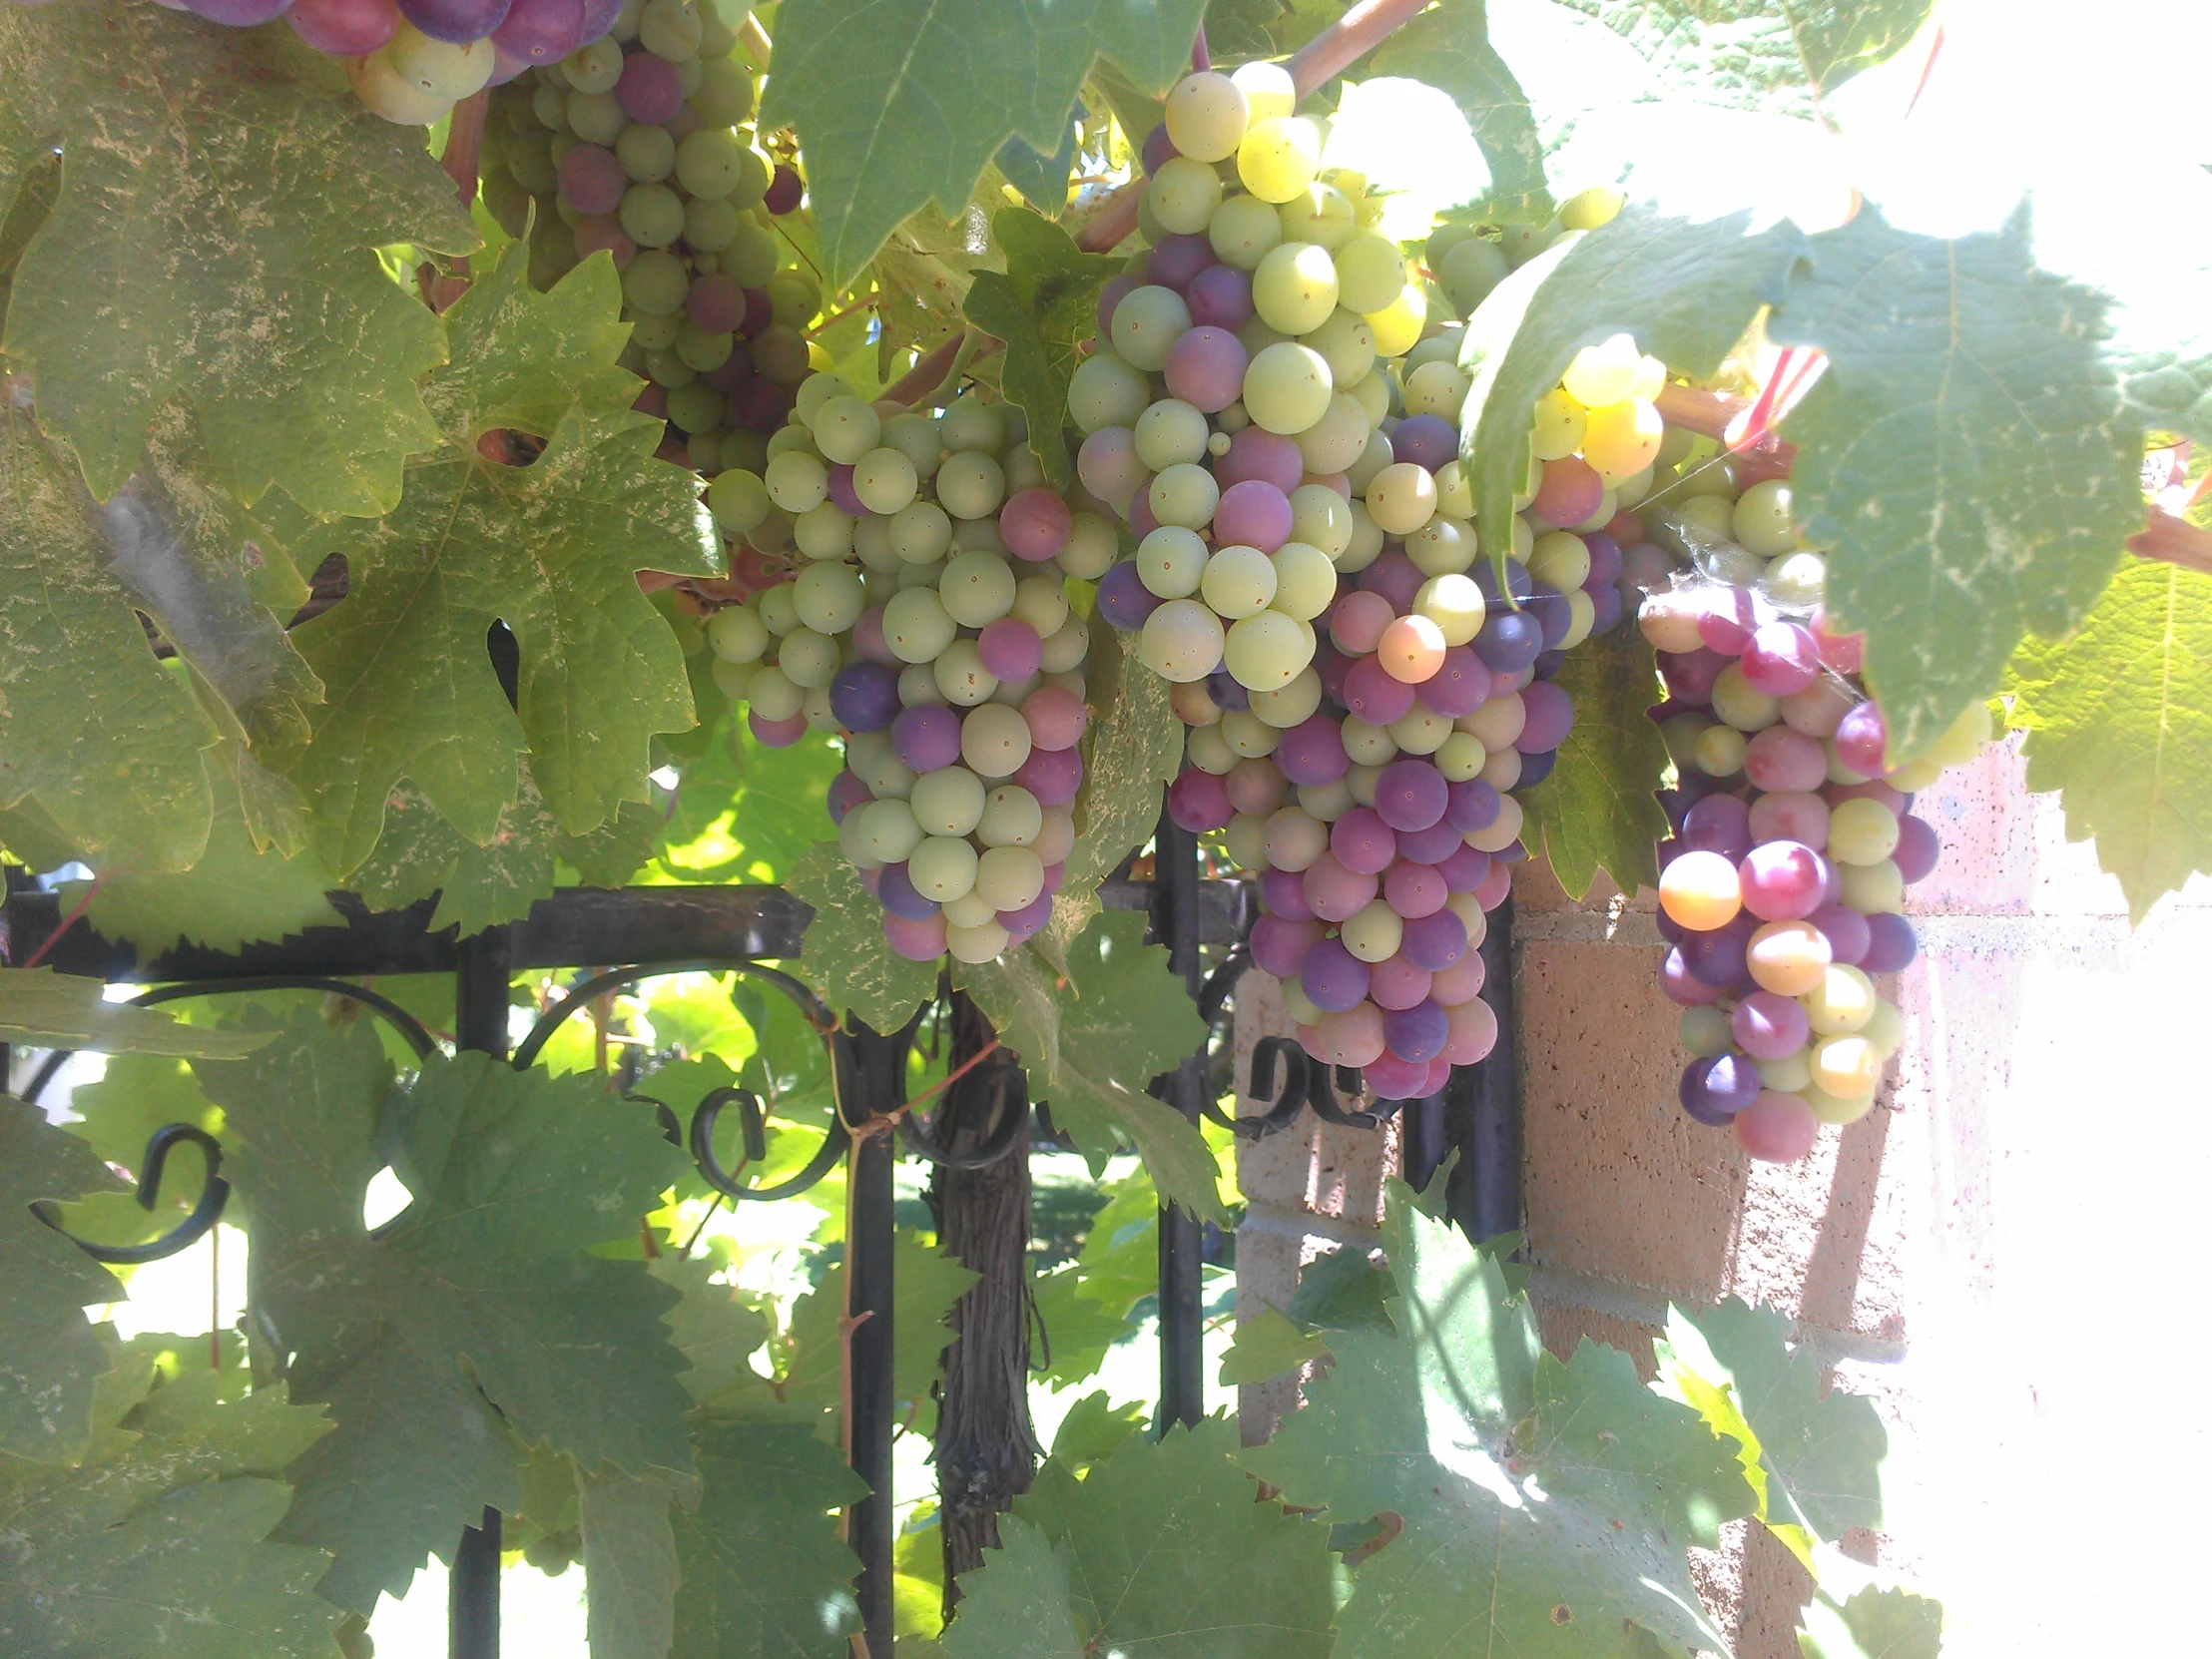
[[928, 623], [1794, 838], [1274, 414]]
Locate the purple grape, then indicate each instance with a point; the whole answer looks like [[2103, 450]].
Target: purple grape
[[786, 190], [865, 696], [715, 305], [1009, 648], [846, 792], [1465, 870], [651, 88], [1605, 560], [1220, 296], [1282, 894], [1199, 801], [1547, 665], [1176, 260], [1435, 941], [1312, 753], [1416, 1033], [1396, 577], [1518, 582], [1426, 440], [1846, 932], [1363, 842], [1110, 297], [1254, 453], [1606, 610], [1551, 718], [1670, 929], [1717, 958], [1890, 943], [1918, 849], [1394, 1080], [591, 180], [245, 14], [1205, 369], [1034, 524], [1549, 606], [1157, 149], [843, 496], [599, 16], [1375, 695], [928, 737], [1768, 1026], [1227, 695], [1281, 946], [1718, 824], [1411, 794], [896, 890], [1394, 982], [1254, 513], [1334, 979], [1509, 640], [1123, 598], [1051, 774], [541, 31], [458, 21], [1535, 768], [1021, 924], [1471, 805], [1713, 1090], [1458, 688], [1431, 846]]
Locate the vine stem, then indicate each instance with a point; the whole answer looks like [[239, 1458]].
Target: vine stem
[[1349, 39], [464, 149], [754, 40], [883, 1124], [76, 914]]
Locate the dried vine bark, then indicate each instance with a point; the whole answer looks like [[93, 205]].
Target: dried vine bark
[[986, 1450]]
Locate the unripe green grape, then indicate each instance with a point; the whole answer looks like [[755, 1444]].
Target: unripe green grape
[[1293, 289], [1375, 933], [918, 687], [1346, 341], [1320, 518], [1320, 214], [1398, 324], [1454, 604], [1238, 582], [915, 437], [970, 484], [921, 532], [655, 334], [773, 694], [1092, 547], [1305, 580], [961, 677], [1171, 562], [596, 117], [1066, 647], [1524, 540], [1227, 423], [725, 92], [1370, 273], [1183, 195], [709, 225], [795, 296], [797, 481], [916, 626], [1268, 88], [1280, 157], [736, 634], [1207, 115], [814, 393], [994, 739], [871, 540], [1561, 559], [823, 532], [1422, 730], [704, 351], [670, 29], [1267, 651], [1106, 391], [1149, 320], [1182, 640], [733, 679], [739, 501], [1242, 230], [668, 370], [1372, 391], [986, 941], [1011, 817], [778, 614], [807, 658], [696, 407], [1453, 494], [1249, 736], [1523, 243], [1718, 752], [846, 428], [1167, 432], [1185, 494], [1367, 541], [828, 597], [593, 68], [887, 831], [651, 215], [1287, 389], [1014, 693], [530, 161], [1284, 706], [1740, 705], [970, 910], [1337, 439], [1470, 272], [1762, 519], [1560, 422], [1402, 497], [688, 74], [1861, 833], [1442, 547], [1209, 751], [1460, 756], [1020, 467], [751, 255], [942, 868], [707, 163], [646, 153], [549, 103], [792, 440], [1361, 472], [437, 69], [974, 422], [1501, 770], [1436, 389], [1796, 581], [976, 588], [948, 801], [885, 480], [1043, 602]]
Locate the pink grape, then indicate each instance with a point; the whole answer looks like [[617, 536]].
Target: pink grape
[[1845, 652], [1142, 520], [1357, 619], [1179, 257], [846, 792], [1460, 983], [1108, 465], [1782, 658], [1890, 943], [1605, 561], [1056, 717], [1729, 618], [1220, 296], [869, 642], [1205, 369], [1334, 979], [1718, 824], [458, 21], [928, 737], [1312, 753], [1768, 1026], [715, 305], [1415, 890], [1022, 923], [1282, 894], [1034, 524], [1335, 893], [1394, 983], [1010, 648], [1435, 941], [1862, 740], [1431, 846], [1793, 816], [1253, 514], [775, 734], [1054, 874], [1777, 1128], [651, 88], [591, 180], [1472, 1027], [1361, 842], [843, 495], [1411, 794], [602, 234], [1374, 695], [921, 940], [1569, 493], [1682, 987], [1393, 1078], [1330, 480], [1279, 948], [1918, 849], [541, 31], [1458, 688], [1782, 761], [1782, 881], [344, 28], [1353, 1037], [1470, 807], [1258, 786], [1335, 668], [1496, 882], [1415, 1033], [1465, 869], [1846, 932], [865, 696], [1199, 801], [1053, 776], [235, 14], [1396, 577], [1268, 457], [1551, 718]]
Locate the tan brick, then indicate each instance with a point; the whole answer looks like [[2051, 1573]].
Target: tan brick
[[1564, 1326]]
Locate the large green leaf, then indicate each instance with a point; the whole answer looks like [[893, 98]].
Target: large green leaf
[[1873, 1624], [214, 238], [765, 1572], [2119, 722], [629, 1566], [46, 1009], [1045, 307], [846, 953], [1093, 1036], [50, 1356], [158, 1544], [1686, 288], [925, 1284], [551, 549], [1545, 1506], [1134, 1559], [900, 105], [1132, 751], [474, 1324], [1965, 455], [1266, 1345], [1598, 810], [1448, 47]]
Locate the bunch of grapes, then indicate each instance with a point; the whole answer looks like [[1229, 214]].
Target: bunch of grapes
[[1265, 414], [927, 621], [1794, 838], [636, 146]]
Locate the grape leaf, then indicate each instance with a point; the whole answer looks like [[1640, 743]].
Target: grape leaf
[[630, 1570], [50, 1356], [160, 1544], [2119, 722], [1544, 1505], [1043, 178], [1267, 1344], [752, 815], [1873, 1624], [136, 1096], [1775, 55], [1820, 1454], [1598, 810], [1093, 1035], [925, 1284], [1131, 752], [45, 1010], [551, 549], [214, 238], [902, 103], [474, 1324], [764, 1570], [1045, 307], [1133, 1559], [846, 954], [1448, 47], [1965, 455], [711, 1328], [1685, 289]]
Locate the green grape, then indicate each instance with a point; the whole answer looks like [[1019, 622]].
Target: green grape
[[707, 163], [828, 597], [1170, 432], [752, 254], [671, 29], [773, 694], [1740, 705], [1462, 756], [1337, 439], [1372, 391], [1106, 391], [646, 152], [974, 423], [593, 68], [920, 532], [887, 831], [915, 437], [1268, 88], [1009, 877], [725, 92], [1320, 518], [1523, 243], [1011, 817], [874, 760], [709, 225], [1147, 322], [1256, 337], [719, 22], [1043, 602], [772, 536], [1183, 195], [1367, 541], [885, 480], [1369, 272], [795, 294], [1604, 373], [808, 658], [1436, 389], [1171, 561], [1267, 651], [1067, 646], [942, 868], [670, 370], [1561, 423], [1762, 520], [1454, 604], [823, 532], [994, 739], [1287, 387], [1020, 467], [1374, 934], [1442, 547], [1320, 214], [739, 501], [1861, 833], [1182, 640], [651, 215], [754, 173], [1423, 732], [845, 430], [917, 625], [655, 334], [1295, 289], [550, 104], [735, 635], [1346, 341], [1092, 547], [1183, 494], [798, 481], [1238, 582], [596, 117], [816, 391], [696, 407], [787, 439], [1305, 580], [1713, 514], [530, 161], [871, 540], [986, 941], [1280, 157], [976, 588], [1560, 558], [1207, 115], [1373, 460], [687, 75], [1401, 498], [701, 349], [1242, 230], [733, 679], [970, 484], [948, 801]]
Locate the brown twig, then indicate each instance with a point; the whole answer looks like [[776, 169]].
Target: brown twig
[[1116, 216], [929, 374], [464, 149], [1346, 41], [754, 40], [2175, 541], [76, 914]]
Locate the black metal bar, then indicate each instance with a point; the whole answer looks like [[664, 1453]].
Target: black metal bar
[[479, 1023], [873, 1419], [1179, 921], [1483, 1106]]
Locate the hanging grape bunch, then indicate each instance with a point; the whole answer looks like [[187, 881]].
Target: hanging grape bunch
[[1794, 840], [928, 622], [1264, 411]]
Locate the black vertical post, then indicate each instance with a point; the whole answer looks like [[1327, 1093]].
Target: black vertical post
[[1486, 1188], [480, 1024], [1181, 1236], [881, 1069]]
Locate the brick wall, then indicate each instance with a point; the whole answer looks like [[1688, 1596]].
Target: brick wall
[[1992, 1253]]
